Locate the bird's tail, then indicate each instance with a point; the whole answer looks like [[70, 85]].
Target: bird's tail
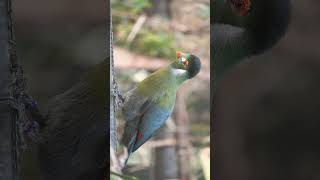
[[128, 148], [129, 139]]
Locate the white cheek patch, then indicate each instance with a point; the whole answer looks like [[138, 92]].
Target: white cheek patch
[[179, 72], [183, 60]]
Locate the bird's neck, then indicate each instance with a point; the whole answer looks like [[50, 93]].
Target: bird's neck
[[180, 75]]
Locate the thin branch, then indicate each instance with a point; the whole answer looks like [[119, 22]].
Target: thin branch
[[136, 28]]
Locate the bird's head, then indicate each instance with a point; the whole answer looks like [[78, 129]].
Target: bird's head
[[188, 62], [240, 7]]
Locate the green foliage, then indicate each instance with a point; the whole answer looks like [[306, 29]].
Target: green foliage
[[134, 6], [139, 5], [148, 41], [155, 44]]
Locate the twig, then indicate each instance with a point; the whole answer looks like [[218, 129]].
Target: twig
[[136, 28]]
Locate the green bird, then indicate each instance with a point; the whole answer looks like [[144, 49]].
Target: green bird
[[151, 102], [74, 143]]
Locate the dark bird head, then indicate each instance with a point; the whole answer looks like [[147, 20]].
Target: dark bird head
[[266, 21], [188, 62]]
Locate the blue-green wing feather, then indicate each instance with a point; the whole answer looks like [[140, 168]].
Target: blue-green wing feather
[[134, 105], [150, 122]]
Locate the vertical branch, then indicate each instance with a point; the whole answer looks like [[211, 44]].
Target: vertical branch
[[113, 132], [115, 101], [182, 123], [113, 123], [11, 91]]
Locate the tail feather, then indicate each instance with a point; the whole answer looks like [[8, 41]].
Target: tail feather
[[129, 140]]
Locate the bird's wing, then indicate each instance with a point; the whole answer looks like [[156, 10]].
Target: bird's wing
[[153, 118], [132, 122], [145, 117], [134, 105]]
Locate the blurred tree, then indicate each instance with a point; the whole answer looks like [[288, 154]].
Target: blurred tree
[[182, 122], [161, 8], [165, 166]]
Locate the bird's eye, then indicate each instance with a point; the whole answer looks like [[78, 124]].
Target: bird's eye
[[184, 61]]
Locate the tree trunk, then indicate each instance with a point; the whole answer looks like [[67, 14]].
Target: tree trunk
[[113, 122], [8, 117], [183, 146], [160, 7], [115, 101], [165, 166]]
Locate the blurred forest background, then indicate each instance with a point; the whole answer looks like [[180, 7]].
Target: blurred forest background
[[300, 43], [303, 35], [147, 34], [57, 41]]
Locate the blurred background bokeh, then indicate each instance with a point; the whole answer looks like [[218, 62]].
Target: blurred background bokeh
[[303, 35], [57, 41], [147, 34], [279, 71]]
